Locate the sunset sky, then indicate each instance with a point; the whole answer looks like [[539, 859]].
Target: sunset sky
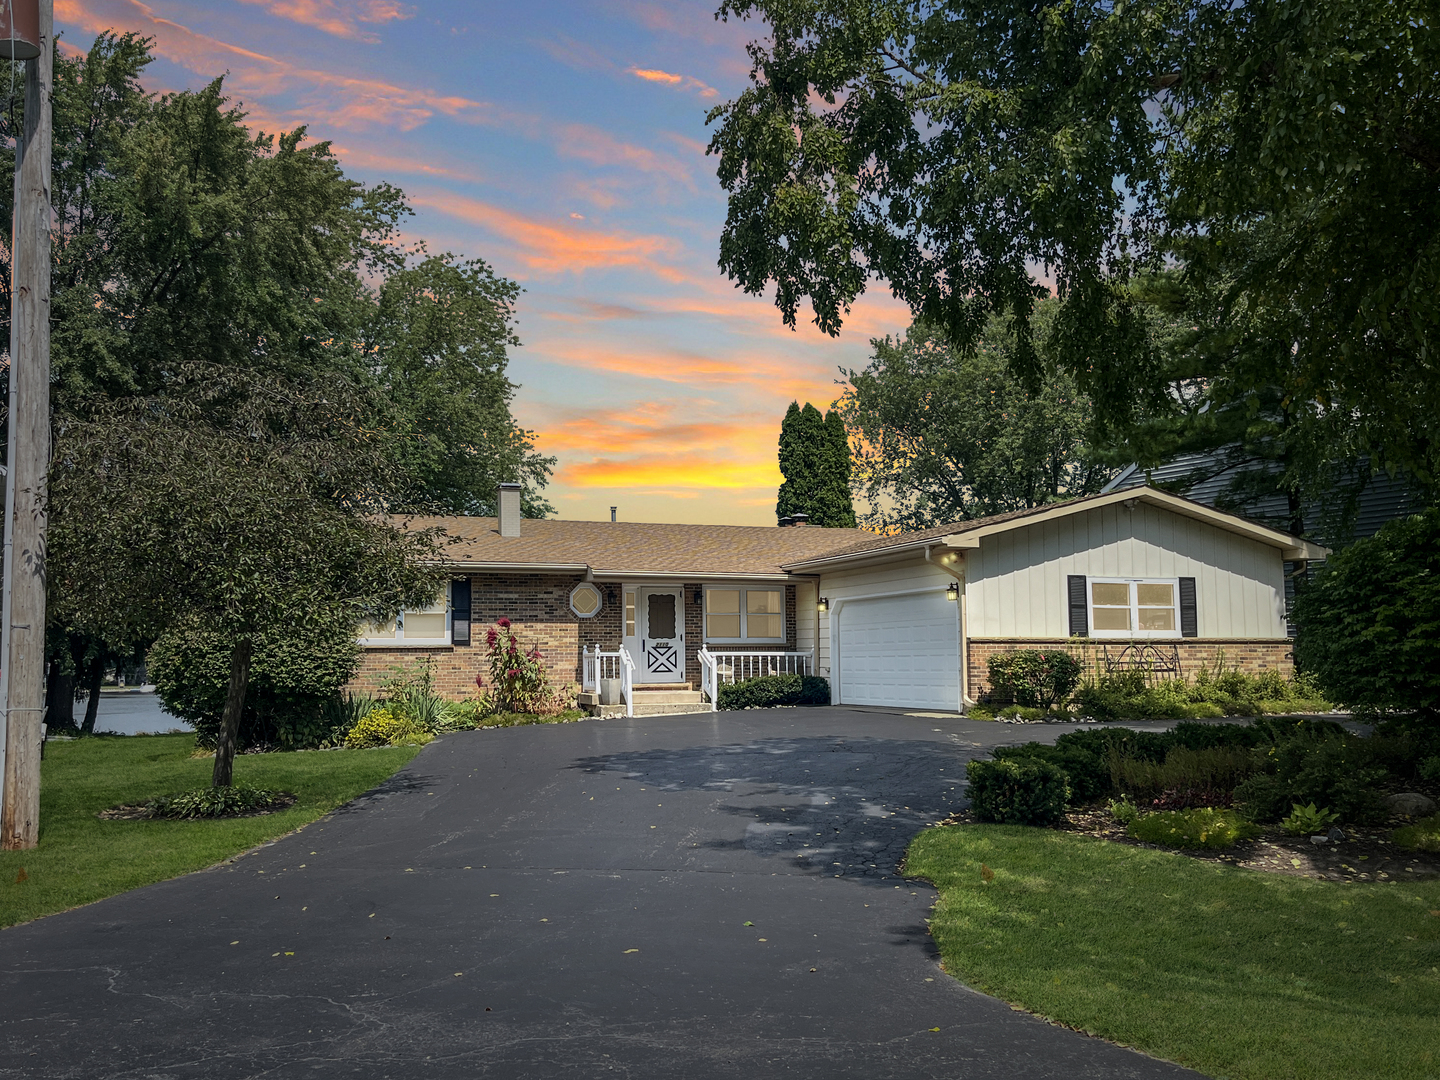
[[564, 143]]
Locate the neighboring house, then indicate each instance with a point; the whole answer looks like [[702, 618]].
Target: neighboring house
[[904, 621]]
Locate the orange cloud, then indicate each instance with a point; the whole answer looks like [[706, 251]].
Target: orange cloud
[[686, 82], [599, 147], [343, 100], [562, 247], [332, 18]]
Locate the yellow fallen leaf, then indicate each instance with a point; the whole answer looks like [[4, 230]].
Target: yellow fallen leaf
[[290, 953], [234, 943], [934, 1029], [1295, 863], [458, 974], [629, 951]]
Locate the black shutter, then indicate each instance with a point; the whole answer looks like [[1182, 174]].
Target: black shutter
[[1189, 621], [460, 611], [1079, 617]]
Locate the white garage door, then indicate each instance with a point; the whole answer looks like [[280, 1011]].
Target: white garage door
[[902, 651]]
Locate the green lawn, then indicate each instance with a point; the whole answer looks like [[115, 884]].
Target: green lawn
[[81, 858], [1236, 973]]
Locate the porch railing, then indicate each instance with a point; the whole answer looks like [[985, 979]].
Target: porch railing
[[598, 664], [719, 668]]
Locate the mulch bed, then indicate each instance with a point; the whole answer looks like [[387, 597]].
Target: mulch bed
[[1366, 854], [142, 812]]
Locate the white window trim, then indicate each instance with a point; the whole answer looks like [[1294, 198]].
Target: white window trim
[[401, 640], [744, 617], [599, 595], [1174, 584]]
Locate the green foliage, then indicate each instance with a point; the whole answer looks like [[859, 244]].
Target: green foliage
[[1034, 677], [1123, 811], [771, 691], [1430, 768], [215, 802], [945, 434], [1280, 154], [1369, 624], [815, 462], [1086, 774], [1328, 768], [1185, 777], [1423, 835], [518, 679], [1016, 791], [514, 719], [296, 674], [1200, 827], [1308, 820], [1128, 695], [383, 727]]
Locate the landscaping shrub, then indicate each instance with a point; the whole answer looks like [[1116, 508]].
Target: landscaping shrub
[[1200, 827], [215, 802], [1424, 835], [293, 677], [1086, 773], [1151, 745], [1017, 791], [1185, 778], [1034, 678], [1127, 695], [381, 726], [518, 679], [768, 691], [1369, 624], [1333, 770]]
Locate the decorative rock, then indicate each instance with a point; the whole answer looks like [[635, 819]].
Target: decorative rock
[[1319, 839], [1336, 833], [1410, 804]]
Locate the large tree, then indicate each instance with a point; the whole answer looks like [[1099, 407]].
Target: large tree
[[815, 462], [945, 434], [1282, 152], [186, 243]]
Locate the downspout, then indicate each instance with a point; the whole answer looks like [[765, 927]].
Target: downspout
[[965, 700]]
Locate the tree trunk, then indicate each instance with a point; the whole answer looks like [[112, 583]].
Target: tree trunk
[[59, 698], [94, 676], [234, 707]]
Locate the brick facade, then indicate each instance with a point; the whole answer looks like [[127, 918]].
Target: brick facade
[[1250, 655], [538, 607]]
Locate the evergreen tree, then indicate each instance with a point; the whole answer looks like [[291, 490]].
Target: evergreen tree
[[815, 461]]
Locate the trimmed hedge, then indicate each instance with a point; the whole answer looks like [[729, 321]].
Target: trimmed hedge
[[769, 691], [1017, 791], [1086, 772]]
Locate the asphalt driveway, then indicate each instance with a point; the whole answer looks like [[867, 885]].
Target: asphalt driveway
[[700, 896]]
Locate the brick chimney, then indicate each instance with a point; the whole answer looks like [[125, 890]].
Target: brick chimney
[[509, 509]]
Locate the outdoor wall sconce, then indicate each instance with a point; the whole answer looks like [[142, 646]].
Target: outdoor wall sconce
[[953, 592], [823, 604], [699, 596]]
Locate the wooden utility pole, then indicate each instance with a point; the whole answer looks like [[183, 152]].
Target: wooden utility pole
[[22, 623]]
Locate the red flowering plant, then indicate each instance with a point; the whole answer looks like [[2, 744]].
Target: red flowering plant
[[518, 679]]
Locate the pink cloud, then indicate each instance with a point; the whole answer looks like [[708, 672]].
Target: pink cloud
[[336, 19], [685, 82]]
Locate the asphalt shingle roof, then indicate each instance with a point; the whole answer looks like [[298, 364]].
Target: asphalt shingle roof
[[638, 547]]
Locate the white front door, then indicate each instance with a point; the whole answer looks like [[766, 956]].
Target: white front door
[[660, 629]]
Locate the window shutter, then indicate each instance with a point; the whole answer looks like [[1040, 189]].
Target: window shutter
[[460, 611], [1189, 620], [1079, 617]]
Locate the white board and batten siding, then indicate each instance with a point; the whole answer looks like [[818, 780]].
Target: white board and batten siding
[[1016, 580], [898, 637]]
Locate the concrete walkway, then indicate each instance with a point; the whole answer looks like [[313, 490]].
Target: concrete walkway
[[695, 896]]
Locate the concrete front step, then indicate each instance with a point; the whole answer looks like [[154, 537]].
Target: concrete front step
[[605, 711], [648, 698]]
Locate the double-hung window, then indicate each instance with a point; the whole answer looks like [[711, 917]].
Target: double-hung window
[[1134, 607], [745, 615]]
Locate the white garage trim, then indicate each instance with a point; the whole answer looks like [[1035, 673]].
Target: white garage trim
[[837, 652]]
